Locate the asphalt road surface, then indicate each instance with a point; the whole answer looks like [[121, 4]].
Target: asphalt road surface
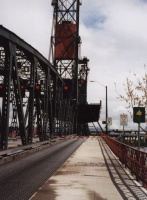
[[20, 179]]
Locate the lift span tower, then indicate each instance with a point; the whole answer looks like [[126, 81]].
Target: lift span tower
[[65, 56]]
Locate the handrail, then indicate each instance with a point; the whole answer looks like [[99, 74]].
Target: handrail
[[134, 159]]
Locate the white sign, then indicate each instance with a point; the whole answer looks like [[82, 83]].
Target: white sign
[[109, 121], [123, 119]]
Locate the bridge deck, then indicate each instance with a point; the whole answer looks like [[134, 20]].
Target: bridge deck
[[92, 172]]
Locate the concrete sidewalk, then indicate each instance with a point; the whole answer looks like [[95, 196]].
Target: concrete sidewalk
[[84, 176]]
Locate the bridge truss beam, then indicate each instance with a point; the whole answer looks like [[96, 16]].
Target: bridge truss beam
[[30, 91]]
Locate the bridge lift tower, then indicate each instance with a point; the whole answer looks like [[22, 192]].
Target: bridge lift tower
[[64, 54]]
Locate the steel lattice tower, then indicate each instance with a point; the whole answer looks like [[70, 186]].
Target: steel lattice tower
[[64, 51]]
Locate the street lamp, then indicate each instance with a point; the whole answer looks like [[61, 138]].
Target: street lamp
[[106, 104]]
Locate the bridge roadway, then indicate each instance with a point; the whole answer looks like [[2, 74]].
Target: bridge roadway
[[20, 178], [91, 173]]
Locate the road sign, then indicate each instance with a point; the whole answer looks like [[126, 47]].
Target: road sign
[[109, 121], [123, 119], [139, 114]]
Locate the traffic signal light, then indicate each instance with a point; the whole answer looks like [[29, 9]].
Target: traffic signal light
[[22, 89], [67, 88], [66, 92], [1, 90], [38, 89]]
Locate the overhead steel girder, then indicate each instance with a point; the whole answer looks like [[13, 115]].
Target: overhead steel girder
[[6, 34]]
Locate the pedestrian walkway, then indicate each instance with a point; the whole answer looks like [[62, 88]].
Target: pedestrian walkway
[[89, 175]]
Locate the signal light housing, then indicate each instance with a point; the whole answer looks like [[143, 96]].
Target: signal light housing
[[22, 89], [1, 90], [67, 89], [38, 90], [37, 87]]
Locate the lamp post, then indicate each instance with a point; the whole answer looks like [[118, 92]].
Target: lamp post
[[106, 116]]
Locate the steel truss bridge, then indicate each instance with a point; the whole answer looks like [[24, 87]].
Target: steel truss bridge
[[29, 86], [49, 97]]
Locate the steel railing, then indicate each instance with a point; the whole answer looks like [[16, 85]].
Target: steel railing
[[134, 159]]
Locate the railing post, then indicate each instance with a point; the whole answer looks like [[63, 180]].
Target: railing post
[[139, 136]]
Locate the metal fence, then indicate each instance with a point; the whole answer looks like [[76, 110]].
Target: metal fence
[[134, 159]]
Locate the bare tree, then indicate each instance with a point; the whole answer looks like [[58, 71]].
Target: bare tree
[[135, 92]]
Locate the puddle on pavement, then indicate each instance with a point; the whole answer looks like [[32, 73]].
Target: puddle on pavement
[[95, 196], [64, 173]]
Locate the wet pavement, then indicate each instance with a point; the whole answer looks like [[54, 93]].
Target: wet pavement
[[84, 176]]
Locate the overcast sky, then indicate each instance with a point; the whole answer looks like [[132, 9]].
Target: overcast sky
[[114, 39]]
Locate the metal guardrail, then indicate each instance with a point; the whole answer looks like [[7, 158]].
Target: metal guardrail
[[22, 148], [17, 152], [134, 159]]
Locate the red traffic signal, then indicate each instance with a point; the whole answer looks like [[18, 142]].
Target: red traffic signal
[[37, 87], [1, 90], [38, 90], [22, 89], [65, 87]]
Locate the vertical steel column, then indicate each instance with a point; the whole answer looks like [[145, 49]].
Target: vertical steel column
[[6, 98], [46, 98], [62, 116], [18, 97], [76, 97], [106, 110], [38, 108], [54, 104], [50, 105], [31, 101]]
